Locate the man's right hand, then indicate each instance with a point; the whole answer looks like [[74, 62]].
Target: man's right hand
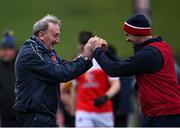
[[88, 51], [92, 44], [96, 42]]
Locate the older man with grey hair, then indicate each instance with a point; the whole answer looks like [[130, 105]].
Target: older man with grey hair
[[39, 72]]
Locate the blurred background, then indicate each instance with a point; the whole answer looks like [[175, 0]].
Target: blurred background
[[103, 17]]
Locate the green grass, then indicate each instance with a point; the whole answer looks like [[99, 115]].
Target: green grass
[[166, 22], [103, 17]]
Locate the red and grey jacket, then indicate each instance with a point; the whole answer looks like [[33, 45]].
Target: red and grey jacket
[[153, 65], [159, 92]]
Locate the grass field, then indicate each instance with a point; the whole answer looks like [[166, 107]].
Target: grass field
[[166, 22], [103, 17]]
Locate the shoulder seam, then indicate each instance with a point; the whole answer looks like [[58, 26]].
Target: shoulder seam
[[35, 49]]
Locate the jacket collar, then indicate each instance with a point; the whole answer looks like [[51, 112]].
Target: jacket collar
[[37, 43], [154, 39]]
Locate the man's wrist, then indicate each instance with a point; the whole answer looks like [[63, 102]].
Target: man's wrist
[[96, 48], [86, 57]]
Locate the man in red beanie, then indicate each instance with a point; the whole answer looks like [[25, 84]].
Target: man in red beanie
[[153, 66]]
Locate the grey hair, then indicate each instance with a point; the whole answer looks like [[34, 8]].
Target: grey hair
[[42, 24]]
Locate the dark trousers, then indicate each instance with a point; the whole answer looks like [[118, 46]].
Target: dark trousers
[[162, 121], [120, 120], [36, 120], [7, 121]]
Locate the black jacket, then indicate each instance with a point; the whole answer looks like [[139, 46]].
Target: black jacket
[[38, 77], [7, 83], [147, 59]]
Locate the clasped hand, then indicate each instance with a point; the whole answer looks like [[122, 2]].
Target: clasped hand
[[94, 43]]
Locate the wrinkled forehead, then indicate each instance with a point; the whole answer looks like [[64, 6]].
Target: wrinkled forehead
[[53, 27]]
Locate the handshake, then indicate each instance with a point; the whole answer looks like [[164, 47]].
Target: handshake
[[92, 44]]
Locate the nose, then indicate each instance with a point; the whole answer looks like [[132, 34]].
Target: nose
[[127, 39], [58, 38]]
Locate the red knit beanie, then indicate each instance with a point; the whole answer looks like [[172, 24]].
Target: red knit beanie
[[137, 25]]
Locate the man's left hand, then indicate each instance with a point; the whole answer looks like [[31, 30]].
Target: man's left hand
[[101, 101], [96, 42]]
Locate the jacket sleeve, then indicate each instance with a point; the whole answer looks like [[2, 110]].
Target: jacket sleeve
[[147, 60], [44, 69]]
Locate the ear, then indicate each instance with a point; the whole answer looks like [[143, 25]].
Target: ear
[[41, 35]]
